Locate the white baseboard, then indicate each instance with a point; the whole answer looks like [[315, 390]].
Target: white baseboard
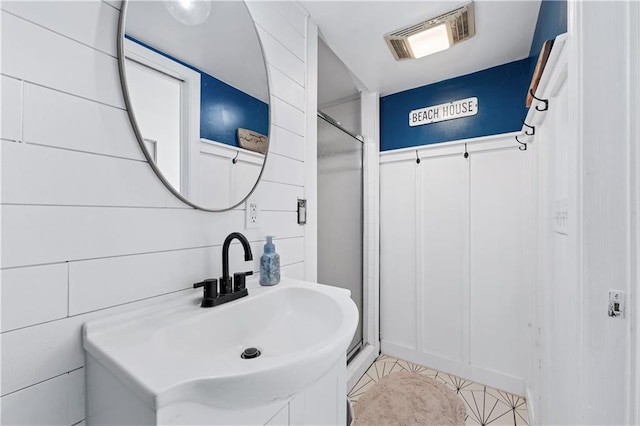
[[501, 381], [360, 364], [531, 407]]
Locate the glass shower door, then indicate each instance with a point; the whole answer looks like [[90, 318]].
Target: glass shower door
[[340, 213]]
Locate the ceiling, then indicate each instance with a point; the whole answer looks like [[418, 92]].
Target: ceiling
[[354, 30], [228, 33], [355, 55]]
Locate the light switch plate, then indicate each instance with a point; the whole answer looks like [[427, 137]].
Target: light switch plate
[[302, 211], [616, 303], [561, 216]]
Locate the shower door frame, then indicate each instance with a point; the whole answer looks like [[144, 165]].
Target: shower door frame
[[369, 128], [353, 352]]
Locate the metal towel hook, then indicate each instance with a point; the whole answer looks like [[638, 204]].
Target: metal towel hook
[[235, 159], [533, 129], [523, 145], [417, 157], [545, 101]]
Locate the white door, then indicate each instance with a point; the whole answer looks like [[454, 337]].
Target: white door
[[155, 97]]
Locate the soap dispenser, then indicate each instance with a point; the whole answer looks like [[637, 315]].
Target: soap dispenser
[[269, 264]]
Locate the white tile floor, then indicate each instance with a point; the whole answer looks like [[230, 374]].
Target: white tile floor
[[485, 405]]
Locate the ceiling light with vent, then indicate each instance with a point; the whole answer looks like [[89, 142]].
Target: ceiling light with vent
[[433, 35]]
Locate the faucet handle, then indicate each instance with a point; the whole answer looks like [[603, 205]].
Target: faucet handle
[[239, 280], [210, 291]]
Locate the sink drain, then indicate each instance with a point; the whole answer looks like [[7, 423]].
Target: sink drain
[[250, 353]]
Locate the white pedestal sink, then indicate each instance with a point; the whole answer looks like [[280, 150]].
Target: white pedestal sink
[[156, 363]]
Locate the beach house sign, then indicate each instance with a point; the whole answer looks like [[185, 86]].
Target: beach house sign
[[443, 112]]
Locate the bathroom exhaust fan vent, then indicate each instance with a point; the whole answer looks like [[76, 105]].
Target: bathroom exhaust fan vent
[[432, 35]]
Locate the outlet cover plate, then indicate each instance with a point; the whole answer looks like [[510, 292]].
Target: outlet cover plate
[[252, 213], [561, 216]]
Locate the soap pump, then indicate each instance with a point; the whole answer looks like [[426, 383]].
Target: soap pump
[[269, 264]]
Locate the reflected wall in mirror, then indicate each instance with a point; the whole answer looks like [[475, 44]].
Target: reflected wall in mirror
[[196, 89]]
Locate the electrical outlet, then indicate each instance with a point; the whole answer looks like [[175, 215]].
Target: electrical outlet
[[616, 303], [252, 213]]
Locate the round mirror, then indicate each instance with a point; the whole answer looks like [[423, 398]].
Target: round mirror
[[195, 86]]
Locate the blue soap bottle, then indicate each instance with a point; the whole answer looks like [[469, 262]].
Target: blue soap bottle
[[269, 264]]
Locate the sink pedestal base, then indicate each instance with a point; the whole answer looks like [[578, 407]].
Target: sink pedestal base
[[110, 402]]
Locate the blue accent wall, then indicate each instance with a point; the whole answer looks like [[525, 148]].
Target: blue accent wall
[[552, 20], [223, 108], [501, 93]]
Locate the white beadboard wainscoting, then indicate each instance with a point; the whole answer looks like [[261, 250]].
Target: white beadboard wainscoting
[[88, 229], [453, 236], [218, 163]]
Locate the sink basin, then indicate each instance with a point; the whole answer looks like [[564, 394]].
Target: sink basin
[[178, 352]]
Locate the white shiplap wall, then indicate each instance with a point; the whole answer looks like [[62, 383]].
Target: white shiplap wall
[[87, 228]]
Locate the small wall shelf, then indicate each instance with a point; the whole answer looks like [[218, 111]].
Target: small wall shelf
[[554, 74]]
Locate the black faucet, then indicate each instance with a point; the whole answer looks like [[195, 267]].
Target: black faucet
[[230, 289], [225, 279]]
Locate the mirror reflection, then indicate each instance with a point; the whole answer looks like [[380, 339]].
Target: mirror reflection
[[197, 89]]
